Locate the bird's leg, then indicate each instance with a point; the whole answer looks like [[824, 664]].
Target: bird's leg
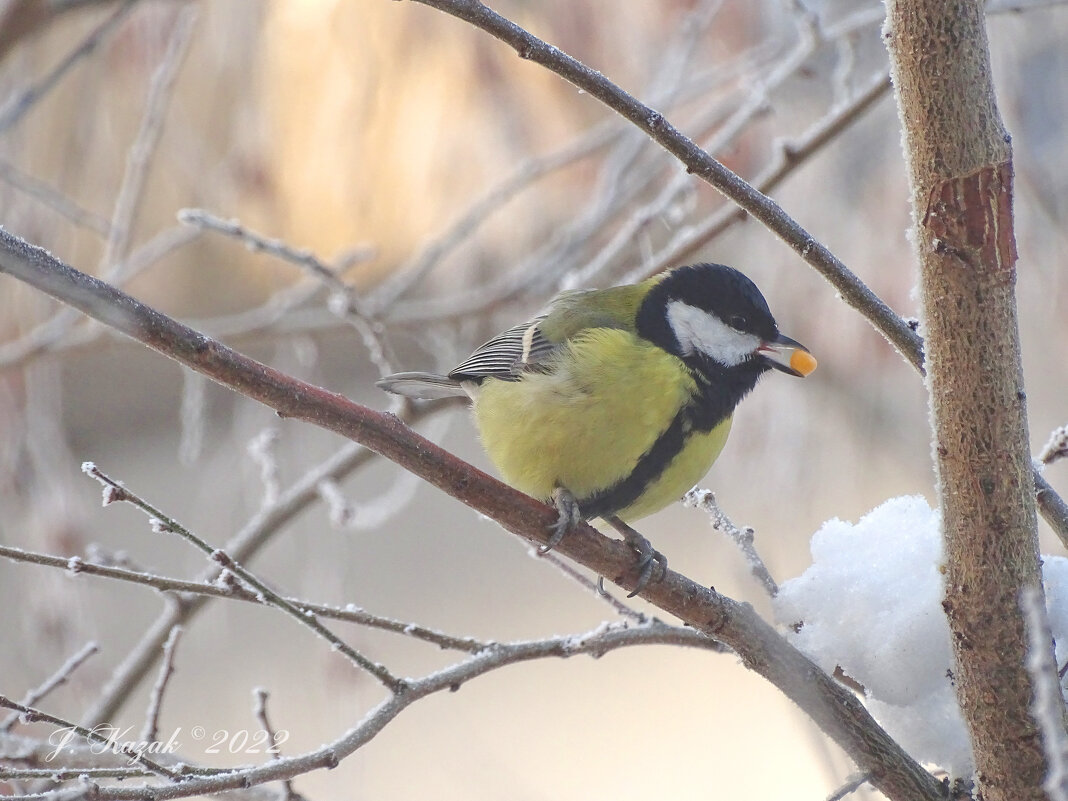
[[648, 556], [570, 516]]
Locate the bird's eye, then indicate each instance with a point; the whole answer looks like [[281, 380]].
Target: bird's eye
[[738, 322]]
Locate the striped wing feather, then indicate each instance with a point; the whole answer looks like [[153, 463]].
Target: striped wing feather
[[508, 355], [530, 346]]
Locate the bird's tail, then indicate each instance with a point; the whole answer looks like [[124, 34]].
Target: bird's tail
[[422, 386]]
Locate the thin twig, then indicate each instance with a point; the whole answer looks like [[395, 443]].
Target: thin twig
[[145, 144], [33, 715], [280, 249], [213, 589], [68, 774], [116, 492], [790, 155], [243, 546], [53, 199], [23, 101], [259, 709], [57, 679], [155, 698], [1047, 705], [698, 162], [742, 537], [262, 450], [352, 307], [595, 587], [1053, 507], [850, 786], [595, 643], [1056, 446]]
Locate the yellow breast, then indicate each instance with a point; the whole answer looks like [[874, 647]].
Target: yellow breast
[[586, 422]]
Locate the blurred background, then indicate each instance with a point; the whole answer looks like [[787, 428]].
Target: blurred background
[[456, 188]]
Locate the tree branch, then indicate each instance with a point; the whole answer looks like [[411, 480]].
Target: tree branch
[[161, 523], [960, 172], [193, 781], [248, 541], [55, 680], [836, 710], [852, 290], [696, 161], [235, 592]]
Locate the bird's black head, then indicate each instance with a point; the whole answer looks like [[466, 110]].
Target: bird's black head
[[707, 309], [715, 320]]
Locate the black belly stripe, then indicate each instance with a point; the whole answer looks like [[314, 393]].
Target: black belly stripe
[[647, 469], [718, 392]]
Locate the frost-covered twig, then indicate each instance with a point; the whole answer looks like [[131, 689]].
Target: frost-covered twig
[[597, 642], [587, 583], [696, 161], [155, 698], [68, 774], [351, 305], [789, 156], [116, 492], [736, 625], [236, 592], [851, 785], [31, 714], [143, 149], [1053, 507], [259, 243], [243, 546], [742, 537], [21, 102], [1047, 706], [259, 709], [1056, 446], [262, 450], [60, 677], [53, 199]]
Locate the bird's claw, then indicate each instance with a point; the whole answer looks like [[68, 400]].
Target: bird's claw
[[569, 517], [648, 560], [648, 557]]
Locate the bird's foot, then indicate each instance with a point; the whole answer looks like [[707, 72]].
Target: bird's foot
[[648, 557], [569, 516]]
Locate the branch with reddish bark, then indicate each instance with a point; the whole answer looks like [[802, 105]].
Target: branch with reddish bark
[[836, 710]]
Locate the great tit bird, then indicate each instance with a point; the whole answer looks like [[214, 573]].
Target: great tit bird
[[615, 402]]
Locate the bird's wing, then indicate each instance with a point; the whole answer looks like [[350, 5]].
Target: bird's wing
[[508, 355], [531, 346]]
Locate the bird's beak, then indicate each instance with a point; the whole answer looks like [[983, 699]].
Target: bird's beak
[[788, 355]]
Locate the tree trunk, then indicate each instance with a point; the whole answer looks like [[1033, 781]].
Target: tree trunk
[[960, 168]]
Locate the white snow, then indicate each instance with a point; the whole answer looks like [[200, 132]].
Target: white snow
[[871, 604]]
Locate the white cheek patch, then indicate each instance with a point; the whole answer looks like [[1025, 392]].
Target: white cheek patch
[[697, 330]]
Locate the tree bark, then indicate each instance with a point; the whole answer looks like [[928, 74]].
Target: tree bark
[[960, 168]]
